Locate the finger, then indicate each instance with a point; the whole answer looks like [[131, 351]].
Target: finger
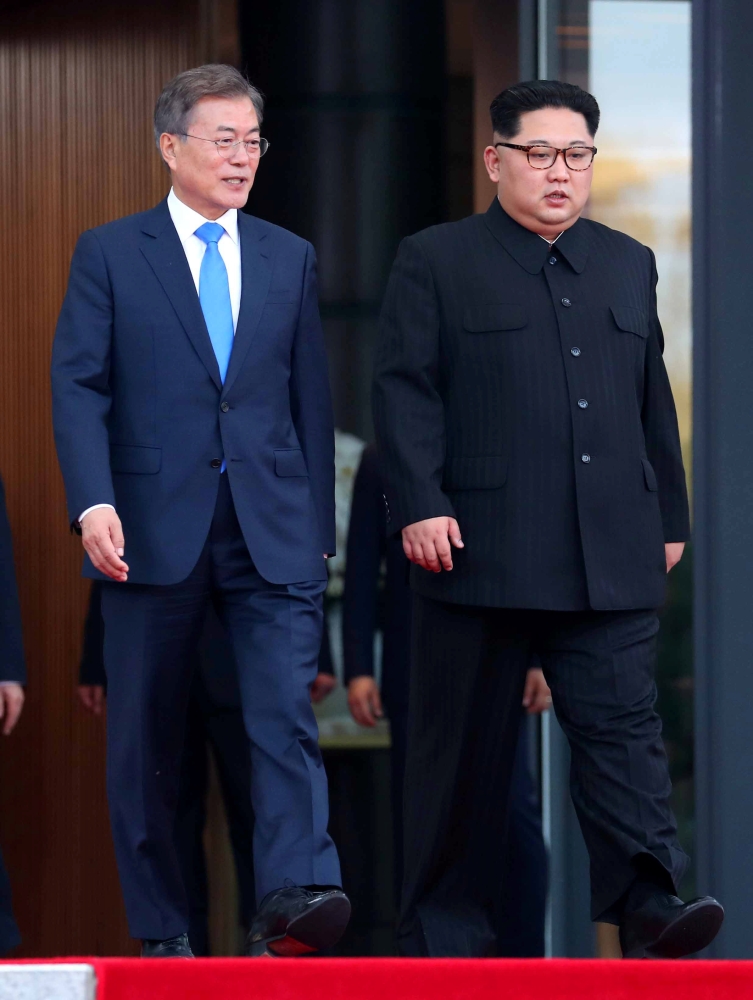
[[359, 709], [418, 555], [430, 557], [444, 553], [454, 534], [98, 700], [107, 560], [85, 697], [13, 714], [376, 704], [2, 703], [528, 692], [117, 539], [408, 550]]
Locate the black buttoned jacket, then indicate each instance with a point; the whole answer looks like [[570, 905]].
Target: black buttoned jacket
[[522, 390]]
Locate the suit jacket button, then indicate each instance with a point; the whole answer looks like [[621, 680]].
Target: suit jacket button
[[583, 404], [585, 459], [566, 302], [216, 463], [575, 351], [224, 407]]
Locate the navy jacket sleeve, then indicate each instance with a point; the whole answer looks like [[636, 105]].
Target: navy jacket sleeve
[[92, 669], [661, 432], [12, 664], [406, 381], [366, 549], [80, 380], [311, 406]]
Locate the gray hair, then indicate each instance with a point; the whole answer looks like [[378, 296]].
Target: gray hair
[[181, 95]]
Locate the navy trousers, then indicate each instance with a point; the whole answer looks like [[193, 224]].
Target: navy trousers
[[150, 635]]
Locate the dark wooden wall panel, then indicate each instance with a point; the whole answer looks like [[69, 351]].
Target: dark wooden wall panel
[[77, 88]]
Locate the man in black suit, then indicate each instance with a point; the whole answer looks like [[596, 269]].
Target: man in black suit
[[521, 394], [12, 680], [519, 915]]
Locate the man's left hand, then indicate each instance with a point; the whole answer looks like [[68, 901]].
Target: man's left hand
[[322, 686], [11, 702], [673, 552]]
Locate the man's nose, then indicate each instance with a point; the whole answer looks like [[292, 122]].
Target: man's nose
[[559, 170], [240, 154]]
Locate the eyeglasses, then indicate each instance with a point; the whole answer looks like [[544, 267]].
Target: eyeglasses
[[543, 157], [254, 147]]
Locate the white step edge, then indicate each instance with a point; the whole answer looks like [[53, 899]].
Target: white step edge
[[47, 982]]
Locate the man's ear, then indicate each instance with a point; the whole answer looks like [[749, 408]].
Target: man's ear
[[491, 162], [167, 144]]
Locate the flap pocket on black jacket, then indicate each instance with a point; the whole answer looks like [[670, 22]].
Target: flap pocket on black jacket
[[631, 320], [290, 462], [494, 316], [472, 472], [649, 475], [135, 460]]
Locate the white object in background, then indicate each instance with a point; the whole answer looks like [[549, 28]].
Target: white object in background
[[47, 982]]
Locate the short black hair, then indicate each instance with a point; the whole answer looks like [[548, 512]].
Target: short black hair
[[507, 107]]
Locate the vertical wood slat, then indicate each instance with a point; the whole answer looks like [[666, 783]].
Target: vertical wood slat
[[78, 83]]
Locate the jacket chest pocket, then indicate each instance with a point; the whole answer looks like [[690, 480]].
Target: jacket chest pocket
[[494, 317], [629, 319]]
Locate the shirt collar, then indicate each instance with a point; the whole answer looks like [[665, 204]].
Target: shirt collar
[[186, 221], [528, 249]]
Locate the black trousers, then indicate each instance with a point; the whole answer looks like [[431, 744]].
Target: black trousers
[[467, 676]]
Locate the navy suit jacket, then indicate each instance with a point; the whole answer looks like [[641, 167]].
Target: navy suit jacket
[[141, 417], [12, 664]]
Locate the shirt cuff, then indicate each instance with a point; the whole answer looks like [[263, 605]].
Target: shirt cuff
[[96, 506]]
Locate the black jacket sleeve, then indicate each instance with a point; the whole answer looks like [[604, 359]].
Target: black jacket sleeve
[[12, 662], [409, 414], [661, 432], [366, 548]]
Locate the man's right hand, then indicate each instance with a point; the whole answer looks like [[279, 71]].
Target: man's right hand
[[364, 701], [429, 543], [102, 535]]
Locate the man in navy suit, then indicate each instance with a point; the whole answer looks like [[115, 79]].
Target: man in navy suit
[[12, 680], [194, 429]]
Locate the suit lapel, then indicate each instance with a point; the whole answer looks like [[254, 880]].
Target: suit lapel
[[256, 274], [167, 259]]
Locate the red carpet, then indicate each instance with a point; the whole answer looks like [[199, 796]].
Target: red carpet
[[394, 979]]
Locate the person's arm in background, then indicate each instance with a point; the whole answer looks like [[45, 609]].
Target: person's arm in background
[[325, 681], [92, 681], [365, 551], [12, 662]]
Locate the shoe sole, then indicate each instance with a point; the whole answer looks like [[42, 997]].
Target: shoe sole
[[321, 926], [691, 932]]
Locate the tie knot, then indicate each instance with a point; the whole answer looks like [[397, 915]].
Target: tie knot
[[210, 232]]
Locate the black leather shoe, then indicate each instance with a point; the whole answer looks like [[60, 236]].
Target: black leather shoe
[[298, 920], [660, 925], [175, 947]]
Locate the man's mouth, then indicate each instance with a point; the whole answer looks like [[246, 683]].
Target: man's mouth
[[556, 197], [235, 181]]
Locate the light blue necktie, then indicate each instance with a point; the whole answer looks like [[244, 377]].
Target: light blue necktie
[[214, 296]]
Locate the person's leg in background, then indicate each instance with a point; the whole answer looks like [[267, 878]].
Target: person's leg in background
[[10, 936], [520, 910]]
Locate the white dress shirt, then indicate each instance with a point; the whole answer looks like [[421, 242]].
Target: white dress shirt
[[186, 222]]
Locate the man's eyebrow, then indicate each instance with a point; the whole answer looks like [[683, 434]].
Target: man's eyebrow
[[230, 128], [546, 142]]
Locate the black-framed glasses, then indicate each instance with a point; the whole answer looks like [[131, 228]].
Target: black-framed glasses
[[542, 157], [255, 147]]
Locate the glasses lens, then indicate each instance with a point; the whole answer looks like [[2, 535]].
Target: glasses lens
[[263, 146], [542, 157], [579, 159]]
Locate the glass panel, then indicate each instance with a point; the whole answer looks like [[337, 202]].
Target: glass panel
[[634, 56]]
